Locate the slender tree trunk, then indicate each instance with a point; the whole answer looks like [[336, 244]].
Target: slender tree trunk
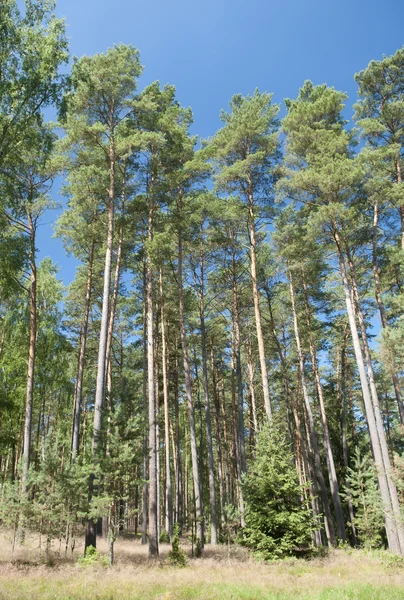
[[257, 312], [303, 471], [250, 368], [91, 535], [169, 496], [208, 420], [31, 356], [102, 347], [345, 452], [237, 349], [188, 387], [376, 407], [153, 482], [313, 435], [78, 390], [332, 474], [382, 311], [218, 434], [145, 415], [114, 299], [391, 517], [178, 481]]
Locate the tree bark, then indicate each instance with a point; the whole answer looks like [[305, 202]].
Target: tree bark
[[382, 311], [153, 483], [169, 496], [78, 390], [257, 312], [31, 355], [332, 474], [390, 515], [312, 431], [208, 421], [188, 385]]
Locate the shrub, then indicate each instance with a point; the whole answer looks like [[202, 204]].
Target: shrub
[[164, 537], [92, 558], [177, 556]]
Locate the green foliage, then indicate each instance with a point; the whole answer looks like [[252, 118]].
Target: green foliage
[[164, 537], [177, 556], [361, 486], [92, 558], [277, 524]]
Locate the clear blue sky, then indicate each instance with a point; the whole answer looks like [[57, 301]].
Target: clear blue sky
[[212, 49]]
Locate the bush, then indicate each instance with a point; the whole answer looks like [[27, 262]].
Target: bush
[[92, 558], [177, 556], [277, 524], [164, 537]]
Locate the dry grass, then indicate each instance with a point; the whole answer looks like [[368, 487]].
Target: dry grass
[[339, 576]]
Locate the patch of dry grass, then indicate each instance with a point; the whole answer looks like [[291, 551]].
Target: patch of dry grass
[[339, 576]]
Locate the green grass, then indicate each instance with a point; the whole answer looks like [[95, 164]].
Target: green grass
[[47, 590], [340, 575]]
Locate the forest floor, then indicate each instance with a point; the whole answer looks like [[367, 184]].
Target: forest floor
[[340, 575]]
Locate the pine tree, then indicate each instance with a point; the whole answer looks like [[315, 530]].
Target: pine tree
[[277, 524]]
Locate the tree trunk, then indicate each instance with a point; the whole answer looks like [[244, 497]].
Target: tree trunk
[[345, 451], [90, 538], [390, 515], [382, 311], [208, 420], [188, 387], [169, 496], [145, 415], [332, 474], [237, 350], [114, 299], [218, 433], [312, 431], [257, 312], [153, 483], [78, 390], [102, 347], [31, 357]]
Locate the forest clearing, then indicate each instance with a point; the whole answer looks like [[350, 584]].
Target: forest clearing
[[201, 331], [339, 575]]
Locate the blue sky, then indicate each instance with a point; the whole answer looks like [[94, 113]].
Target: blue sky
[[212, 49]]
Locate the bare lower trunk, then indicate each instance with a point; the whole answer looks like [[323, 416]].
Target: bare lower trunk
[[188, 387], [208, 420], [102, 347], [114, 300], [303, 471], [257, 312], [382, 311], [145, 415], [345, 451], [169, 495], [78, 390], [178, 480], [312, 431], [90, 538], [237, 350], [31, 359], [218, 433], [250, 368], [332, 474], [391, 518], [153, 483]]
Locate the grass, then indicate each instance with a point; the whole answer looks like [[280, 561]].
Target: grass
[[342, 575]]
